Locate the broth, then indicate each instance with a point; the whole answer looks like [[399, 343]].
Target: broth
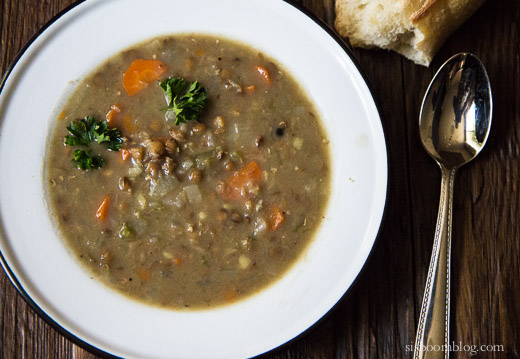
[[202, 213]]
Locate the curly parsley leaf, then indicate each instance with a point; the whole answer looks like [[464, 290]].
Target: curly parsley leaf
[[184, 102], [110, 137], [172, 87], [88, 130], [86, 161], [80, 132]]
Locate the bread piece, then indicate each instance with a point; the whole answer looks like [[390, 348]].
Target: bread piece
[[413, 28]]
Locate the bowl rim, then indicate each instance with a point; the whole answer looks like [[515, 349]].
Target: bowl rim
[[345, 46]]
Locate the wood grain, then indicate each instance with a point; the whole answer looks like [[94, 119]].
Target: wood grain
[[378, 317]]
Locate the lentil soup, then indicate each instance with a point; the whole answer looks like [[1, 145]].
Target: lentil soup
[[188, 171]]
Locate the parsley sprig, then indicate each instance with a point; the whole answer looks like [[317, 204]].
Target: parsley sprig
[[86, 160], [86, 131], [184, 101]]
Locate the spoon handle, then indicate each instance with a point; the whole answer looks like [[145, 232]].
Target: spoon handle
[[432, 340]]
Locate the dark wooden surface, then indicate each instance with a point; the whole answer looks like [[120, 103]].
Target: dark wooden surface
[[378, 318]]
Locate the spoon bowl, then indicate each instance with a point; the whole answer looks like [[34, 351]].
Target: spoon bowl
[[454, 125], [455, 115]]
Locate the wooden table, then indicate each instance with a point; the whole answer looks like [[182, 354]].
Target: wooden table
[[378, 317]]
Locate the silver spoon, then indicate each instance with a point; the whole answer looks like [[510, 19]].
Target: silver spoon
[[454, 124]]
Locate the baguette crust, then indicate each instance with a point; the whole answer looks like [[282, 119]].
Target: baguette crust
[[416, 16], [413, 28]]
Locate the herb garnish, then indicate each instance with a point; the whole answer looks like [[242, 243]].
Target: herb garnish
[[184, 102], [85, 160], [86, 131]]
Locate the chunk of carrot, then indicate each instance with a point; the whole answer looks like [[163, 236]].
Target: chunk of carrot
[[190, 64], [276, 218], [230, 295], [102, 210], [242, 182], [110, 117], [112, 114], [125, 154], [129, 125], [264, 73], [143, 273], [176, 261], [141, 73], [249, 89], [116, 107], [61, 115]]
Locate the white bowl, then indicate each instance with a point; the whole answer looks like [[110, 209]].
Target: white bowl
[[45, 271]]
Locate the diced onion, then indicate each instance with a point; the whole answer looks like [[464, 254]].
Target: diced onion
[[210, 141], [168, 201], [135, 171], [141, 200], [187, 164], [170, 115], [183, 127], [153, 185], [260, 226], [154, 45], [180, 200], [141, 227], [161, 186], [259, 206], [203, 160], [193, 194], [243, 262], [298, 143], [243, 131]]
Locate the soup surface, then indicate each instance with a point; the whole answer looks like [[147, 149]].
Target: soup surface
[[188, 193]]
